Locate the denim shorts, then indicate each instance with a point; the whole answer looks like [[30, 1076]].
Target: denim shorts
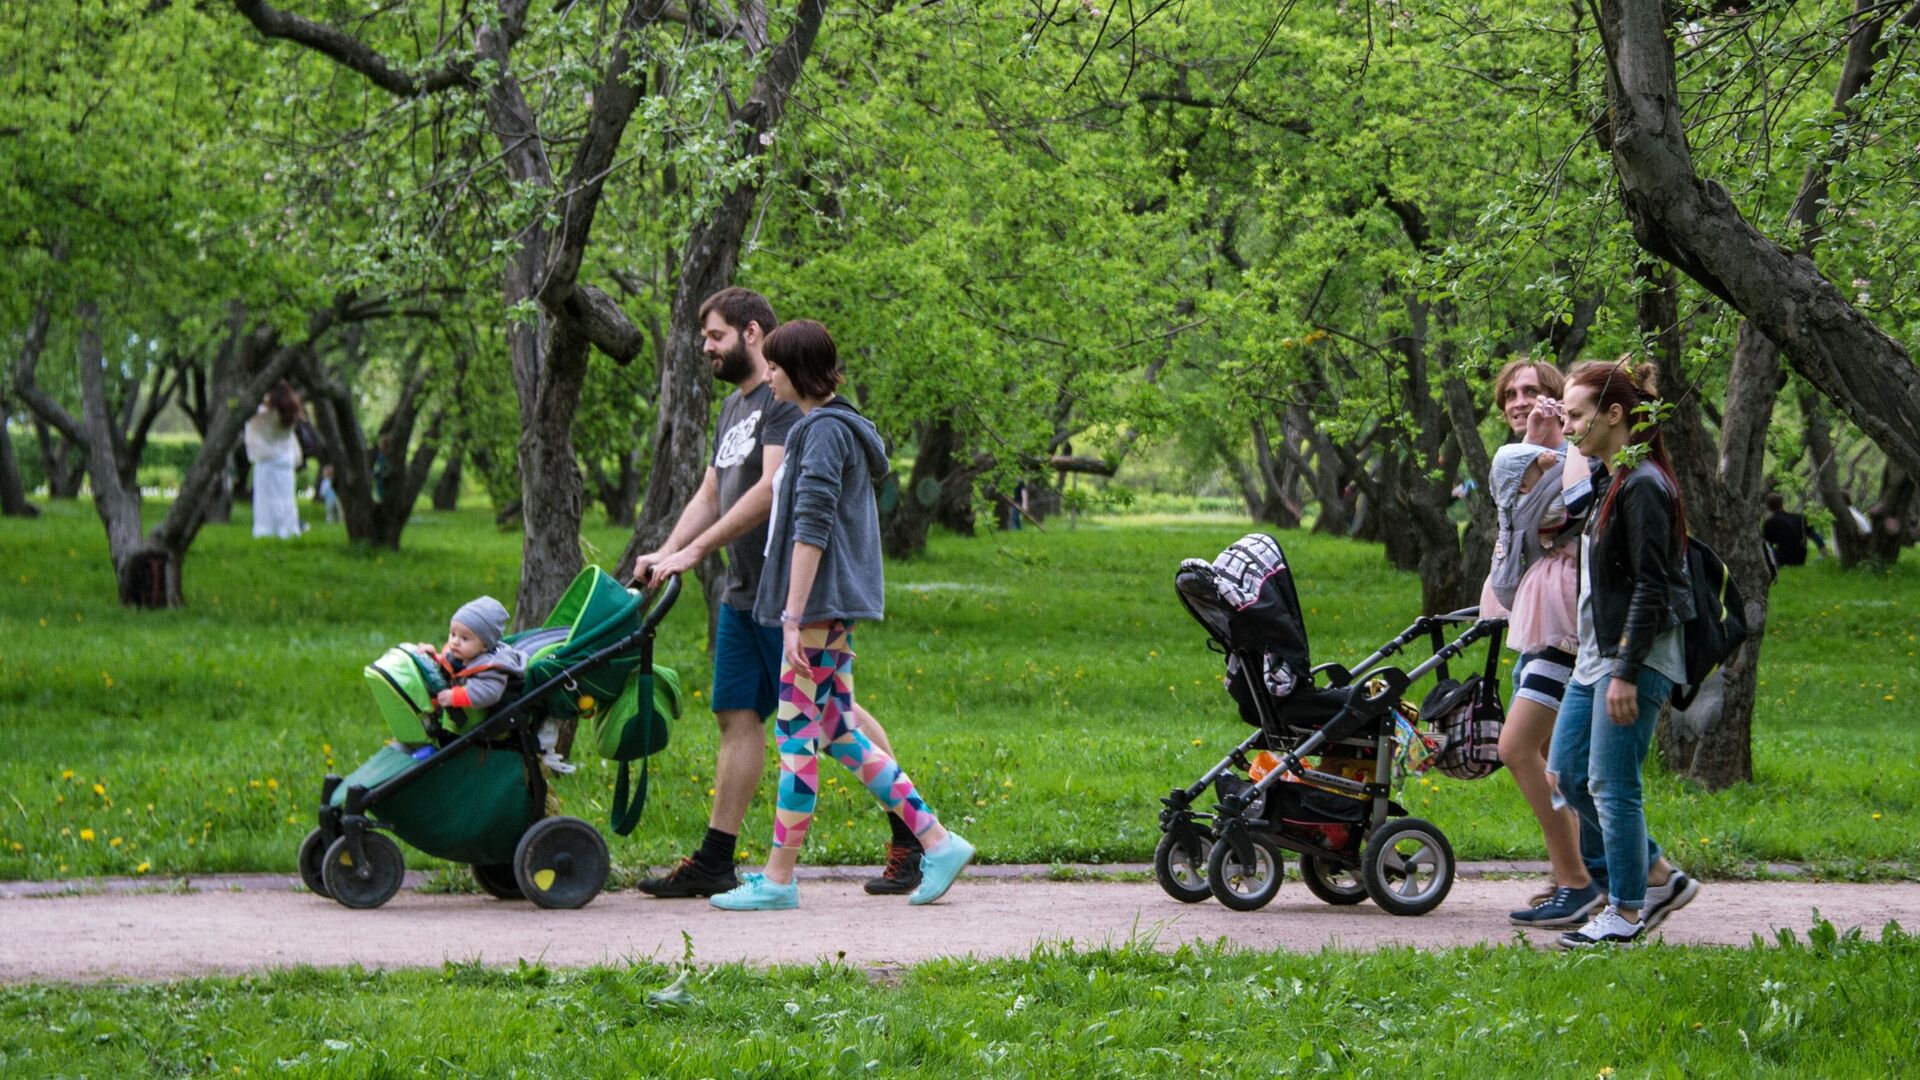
[[746, 664]]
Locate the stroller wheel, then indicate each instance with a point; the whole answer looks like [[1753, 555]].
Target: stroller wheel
[[1335, 884], [561, 863], [1407, 867], [385, 870], [1180, 865], [497, 881], [1246, 887], [313, 850]]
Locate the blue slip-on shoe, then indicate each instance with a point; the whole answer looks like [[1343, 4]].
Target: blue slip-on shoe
[[1563, 907], [756, 893], [940, 868]]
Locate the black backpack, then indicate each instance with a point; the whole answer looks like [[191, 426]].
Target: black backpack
[[1719, 622]]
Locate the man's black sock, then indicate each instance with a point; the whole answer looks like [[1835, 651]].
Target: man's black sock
[[716, 851], [903, 836]]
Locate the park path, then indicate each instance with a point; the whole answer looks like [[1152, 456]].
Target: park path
[[167, 935]]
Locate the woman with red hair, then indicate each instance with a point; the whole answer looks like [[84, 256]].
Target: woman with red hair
[[1633, 603]]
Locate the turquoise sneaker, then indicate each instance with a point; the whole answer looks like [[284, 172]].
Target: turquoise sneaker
[[756, 893], [939, 869]]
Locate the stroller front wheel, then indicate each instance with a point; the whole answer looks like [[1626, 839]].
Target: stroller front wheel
[[1246, 886], [385, 871], [1180, 865], [1407, 867]]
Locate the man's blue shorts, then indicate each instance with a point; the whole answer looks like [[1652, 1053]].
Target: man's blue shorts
[[746, 664]]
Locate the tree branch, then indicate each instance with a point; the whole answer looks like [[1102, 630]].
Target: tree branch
[[348, 51]]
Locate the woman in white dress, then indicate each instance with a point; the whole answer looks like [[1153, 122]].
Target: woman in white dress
[[275, 453]]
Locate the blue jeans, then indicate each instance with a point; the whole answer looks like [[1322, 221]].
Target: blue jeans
[[1594, 765]]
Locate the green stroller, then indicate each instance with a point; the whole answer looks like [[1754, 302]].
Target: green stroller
[[474, 791]]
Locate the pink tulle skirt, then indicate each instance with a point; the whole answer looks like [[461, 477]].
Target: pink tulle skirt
[[1546, 611]]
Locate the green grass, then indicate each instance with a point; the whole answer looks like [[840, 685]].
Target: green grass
[[1043, 689], [1838, 1007]]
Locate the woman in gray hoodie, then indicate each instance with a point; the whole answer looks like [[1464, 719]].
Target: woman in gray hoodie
[[823, 574]]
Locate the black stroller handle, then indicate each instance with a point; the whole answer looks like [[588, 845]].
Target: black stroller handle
[[657, 601]]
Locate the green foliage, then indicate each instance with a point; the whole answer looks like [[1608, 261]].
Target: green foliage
[[1833, 1006], [1044, 689]]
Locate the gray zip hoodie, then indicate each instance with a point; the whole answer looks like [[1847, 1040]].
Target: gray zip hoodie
[[823, 495]]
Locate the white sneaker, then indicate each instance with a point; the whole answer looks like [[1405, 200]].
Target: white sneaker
[[1607, 928]]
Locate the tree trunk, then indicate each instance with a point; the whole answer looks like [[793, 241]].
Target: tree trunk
[[1722, 482], [62, 460], [1891, 516], [1273, 474], [13, 493], [684, 402], [1850, 545], [446, 492], [148, 575], [1692, 223], [903, 534]]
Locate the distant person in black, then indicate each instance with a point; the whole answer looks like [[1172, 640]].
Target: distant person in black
[[1787, 534]]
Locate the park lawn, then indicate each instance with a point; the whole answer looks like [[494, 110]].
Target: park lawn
[[1839, 1007], [1044, 688]]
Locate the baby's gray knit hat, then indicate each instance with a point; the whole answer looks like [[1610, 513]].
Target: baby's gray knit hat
[[486, 617]]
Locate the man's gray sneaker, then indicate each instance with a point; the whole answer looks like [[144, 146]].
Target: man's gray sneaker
[[1664, 900], [1607, 928], [1564, 906]]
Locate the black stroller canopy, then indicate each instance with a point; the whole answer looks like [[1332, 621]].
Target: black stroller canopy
[[1245, 598]]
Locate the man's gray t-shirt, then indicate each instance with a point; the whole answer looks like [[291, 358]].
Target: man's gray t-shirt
[[749, 423]]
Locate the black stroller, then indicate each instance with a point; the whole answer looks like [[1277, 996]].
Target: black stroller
[[1353, 840]]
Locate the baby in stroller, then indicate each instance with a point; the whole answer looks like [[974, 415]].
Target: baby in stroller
[[478, 666]]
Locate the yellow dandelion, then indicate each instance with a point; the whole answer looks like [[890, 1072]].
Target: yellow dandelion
[[709, 793], [272, 784], [327, 749], [143, 868], [1197, 742], [85, 834], [253, 783], [108, 679], [115, 842], [1888, 697], [1876, 817], [1605, 1070], [100, 790], [18, 846], [66, 774]]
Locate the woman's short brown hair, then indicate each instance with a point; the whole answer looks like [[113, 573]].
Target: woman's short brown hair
[[804, 350]]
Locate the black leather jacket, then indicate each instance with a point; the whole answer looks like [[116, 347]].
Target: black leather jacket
[[1639, 575]]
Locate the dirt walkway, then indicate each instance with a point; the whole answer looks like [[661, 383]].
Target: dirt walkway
[[163, 936]]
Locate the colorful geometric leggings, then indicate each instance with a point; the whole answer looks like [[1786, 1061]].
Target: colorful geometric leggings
[[816, 704]]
